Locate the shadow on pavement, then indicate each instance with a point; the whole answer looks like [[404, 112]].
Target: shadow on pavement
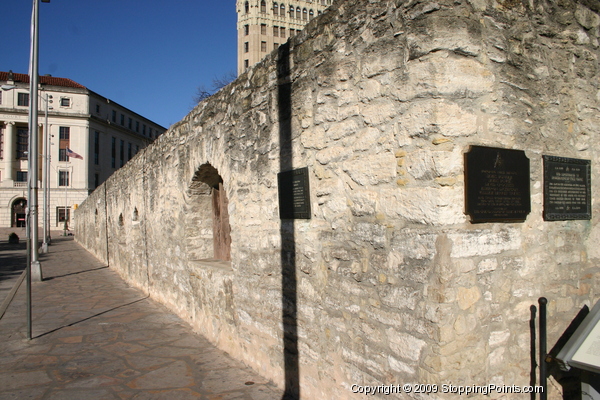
[[90, 317]]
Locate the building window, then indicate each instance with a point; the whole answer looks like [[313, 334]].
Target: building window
[[22, 143], [246, 47], [122, 152], [311, 15], [246, 7], [263, 29], [96, 181], [275, 46], [114, 116], [96, 148], [137, 126], [63, 178], [130, 123], [97, 108], [263, 46], [1, 143], [113, 151], [137, 149], [23, 99], [64, 142], [62, 214], [282, 32], [298, 13], [122, 120], [275, 9], [292, 12], [0, 97], [128, 151], [144, 129], [305, 14], [276, 31], [263, 7], [246, 64], [65, 102], [282, 10], [21, 176], [246, 30]]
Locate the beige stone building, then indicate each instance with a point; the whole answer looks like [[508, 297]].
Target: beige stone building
[[105, 134], [265, 24]]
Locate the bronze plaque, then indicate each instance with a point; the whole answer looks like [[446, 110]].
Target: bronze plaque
[[567, 189], [294, 194], [497, 184]]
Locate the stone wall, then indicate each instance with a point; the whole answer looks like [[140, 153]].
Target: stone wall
[[388, 282]]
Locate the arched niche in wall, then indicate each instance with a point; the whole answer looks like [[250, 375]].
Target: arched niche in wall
[[208, 232]]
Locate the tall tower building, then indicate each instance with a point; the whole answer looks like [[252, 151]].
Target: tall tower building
[[265, 24]]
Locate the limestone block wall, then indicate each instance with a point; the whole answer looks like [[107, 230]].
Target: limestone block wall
[[388, 282]]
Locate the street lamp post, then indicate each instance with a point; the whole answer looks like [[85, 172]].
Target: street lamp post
[[34, 268]]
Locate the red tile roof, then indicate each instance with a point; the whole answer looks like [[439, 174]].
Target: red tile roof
[[44, 80]]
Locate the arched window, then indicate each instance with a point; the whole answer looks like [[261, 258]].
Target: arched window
[[305, 14], [206, 202], [282, 10], [247, 7], [292, 12], [298, 13], [263, 7], [275, 9], [311, 15]]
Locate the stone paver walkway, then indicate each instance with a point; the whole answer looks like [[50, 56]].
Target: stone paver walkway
[[94, 337]]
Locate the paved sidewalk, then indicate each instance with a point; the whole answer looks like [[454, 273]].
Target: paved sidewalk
[[96, 338]]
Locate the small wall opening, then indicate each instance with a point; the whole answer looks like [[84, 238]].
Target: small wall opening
[[208, 232]]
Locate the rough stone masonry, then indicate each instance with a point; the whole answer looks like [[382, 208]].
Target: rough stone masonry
[[388, 282]]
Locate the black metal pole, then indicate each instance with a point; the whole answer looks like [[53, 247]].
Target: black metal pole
[[543, 353]]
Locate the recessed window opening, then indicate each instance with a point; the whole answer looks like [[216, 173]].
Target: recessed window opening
[[207, 223]]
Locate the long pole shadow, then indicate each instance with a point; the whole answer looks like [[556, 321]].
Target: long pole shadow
[[90, 317], [289, 284], [75, 273]]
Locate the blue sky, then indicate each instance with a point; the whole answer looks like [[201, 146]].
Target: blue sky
[[148, 56]]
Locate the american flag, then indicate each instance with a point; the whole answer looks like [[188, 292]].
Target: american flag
[[71, 153]]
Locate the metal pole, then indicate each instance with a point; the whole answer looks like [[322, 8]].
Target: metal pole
[[543, 352], [28, 273], [45, 172], [48, 160], [32, 156], [66, 181]]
